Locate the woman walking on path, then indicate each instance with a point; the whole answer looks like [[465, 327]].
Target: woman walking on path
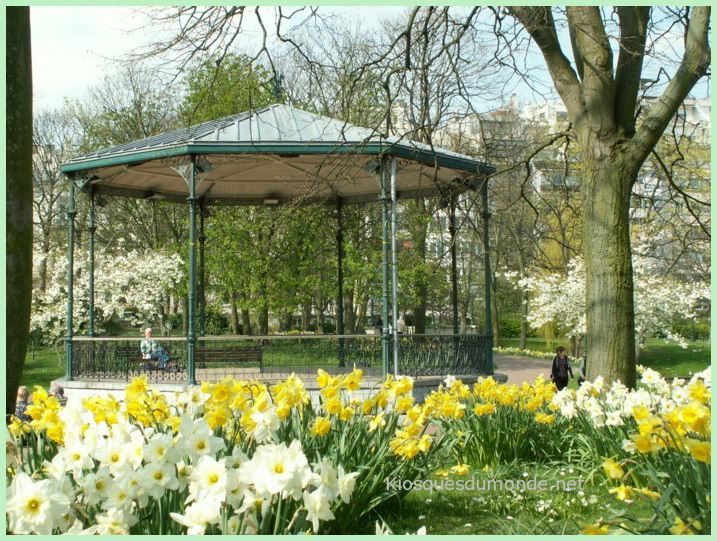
[[560, 369]]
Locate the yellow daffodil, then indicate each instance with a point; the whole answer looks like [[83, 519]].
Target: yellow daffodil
[[613, 469], [622, 492], [595, 529], [321, 426]]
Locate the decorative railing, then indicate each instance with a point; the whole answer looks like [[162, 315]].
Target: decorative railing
[[110, 359], [268, 357]]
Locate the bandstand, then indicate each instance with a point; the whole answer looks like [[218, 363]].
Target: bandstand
[[277, 155]]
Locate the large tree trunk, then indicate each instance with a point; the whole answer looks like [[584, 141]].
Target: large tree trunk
[[497, 335], [524, 321], [246, 322], [18, 193], [349, 312], [607, 181], [234, 320], [264, 320], [306, 317]]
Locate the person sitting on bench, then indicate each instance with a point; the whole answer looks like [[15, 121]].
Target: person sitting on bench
[[153, 351]]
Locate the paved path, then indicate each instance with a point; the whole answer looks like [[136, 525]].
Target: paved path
[[521, 369]]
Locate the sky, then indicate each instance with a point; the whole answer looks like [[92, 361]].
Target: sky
[[73, 47]]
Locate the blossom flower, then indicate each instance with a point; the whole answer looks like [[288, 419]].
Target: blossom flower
[[700, 450], [160, 476], [347, 482], [208, 480], [266, 424], [34, 507], [115, 522], [622, 492], [595, 529], [317, 508], [160, 448], [198, 516], [275, 469], [320, 427]]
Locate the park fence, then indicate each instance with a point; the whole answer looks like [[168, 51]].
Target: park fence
[[277, 356]]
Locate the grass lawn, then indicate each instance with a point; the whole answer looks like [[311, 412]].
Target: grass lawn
[[482, 509], [41, 367]]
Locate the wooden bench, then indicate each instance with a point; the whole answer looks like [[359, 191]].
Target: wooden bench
[[205, 355]]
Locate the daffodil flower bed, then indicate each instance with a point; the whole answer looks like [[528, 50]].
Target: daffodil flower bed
[[494, 423], [244, 457], [224, 458], [650, 445]]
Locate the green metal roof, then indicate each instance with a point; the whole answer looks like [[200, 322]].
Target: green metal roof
[[274, 152]]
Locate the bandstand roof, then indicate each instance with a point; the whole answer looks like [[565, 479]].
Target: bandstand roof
[[276, 153]]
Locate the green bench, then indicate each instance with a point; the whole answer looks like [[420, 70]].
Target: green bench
[[205, 356]]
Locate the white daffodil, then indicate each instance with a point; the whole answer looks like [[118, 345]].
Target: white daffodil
[[55, 468], [614, 418], [95, 486], [233, 525], [208, 480], [267, 423], [77, 529], [198, 516], [114, 456], [35, 507], [276, 469], [326, 479], [133, 483], [115, 522], [183, 473], [160, 448], [158, 477], [317, 508], [237, 458], [201, 444], [236, 490], [77, 458], [347, 482]]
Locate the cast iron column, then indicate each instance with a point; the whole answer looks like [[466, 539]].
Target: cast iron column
[[71, 213], [340, 330], [394, 279], [191, 327], [202, 291], [486, 251], [92, 229], [453, 229], [385, 339]]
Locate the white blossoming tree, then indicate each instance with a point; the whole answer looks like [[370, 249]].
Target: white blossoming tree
[[140, 281], [659, 299]]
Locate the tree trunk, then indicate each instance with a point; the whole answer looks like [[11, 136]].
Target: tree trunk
[[245, 322], [496, 313], [606, 186], [264, 320], [349, 312], [234, 320], [285, 322], [18, 193], [306, 317], [524, 321]]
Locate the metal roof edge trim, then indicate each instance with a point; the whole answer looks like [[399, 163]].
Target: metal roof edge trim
[[371, 148]]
